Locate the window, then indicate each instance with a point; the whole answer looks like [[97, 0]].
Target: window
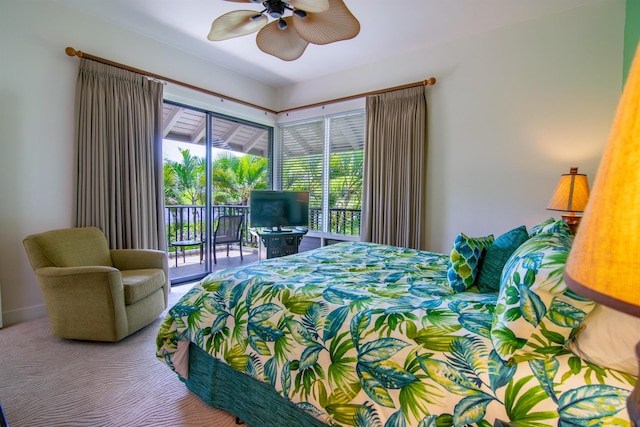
[[325, 157]]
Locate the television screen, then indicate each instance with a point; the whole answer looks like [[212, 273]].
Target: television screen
[[277, 209]]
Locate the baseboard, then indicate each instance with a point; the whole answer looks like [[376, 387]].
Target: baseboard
[[11, 317]]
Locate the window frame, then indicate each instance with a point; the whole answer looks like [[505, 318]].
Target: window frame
[[278, 153]]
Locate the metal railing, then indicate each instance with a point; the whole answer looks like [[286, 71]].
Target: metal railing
[[185, 222], [341, 221]]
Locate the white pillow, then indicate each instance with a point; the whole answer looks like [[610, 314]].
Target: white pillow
[[608, 339]]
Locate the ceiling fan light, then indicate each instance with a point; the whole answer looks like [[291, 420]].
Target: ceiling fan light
[[300, 13], [275, 8]]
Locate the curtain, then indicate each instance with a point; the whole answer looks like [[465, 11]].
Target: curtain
[[118, 150], [394, 177]]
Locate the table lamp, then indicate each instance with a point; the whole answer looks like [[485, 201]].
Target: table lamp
[[604, 261], [571, 195]]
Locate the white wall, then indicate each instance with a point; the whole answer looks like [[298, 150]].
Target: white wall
[[512, 110], [37, 93]]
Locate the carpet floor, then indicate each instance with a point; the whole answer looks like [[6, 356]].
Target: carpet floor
[[48, 381]]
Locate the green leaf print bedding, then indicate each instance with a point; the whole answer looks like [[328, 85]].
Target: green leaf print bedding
[[361, 334]]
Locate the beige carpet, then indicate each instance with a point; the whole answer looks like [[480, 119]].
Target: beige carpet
[[47, 381]]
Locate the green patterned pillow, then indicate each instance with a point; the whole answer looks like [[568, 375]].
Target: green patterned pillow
[[551, 226], [536, 314], [465, 256], [493, 261]]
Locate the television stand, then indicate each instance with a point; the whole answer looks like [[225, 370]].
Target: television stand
[[277, 230], [279, 243]]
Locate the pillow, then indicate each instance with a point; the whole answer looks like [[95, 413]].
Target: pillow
[[608, 338], [493, 261], [551, 226], [536, 314], [465, 256]]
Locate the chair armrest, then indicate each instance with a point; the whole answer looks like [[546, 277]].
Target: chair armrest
[[79, 296], [67, 271], [137, 259], [96, 277]]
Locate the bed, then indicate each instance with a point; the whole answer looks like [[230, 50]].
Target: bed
[[362, 334]]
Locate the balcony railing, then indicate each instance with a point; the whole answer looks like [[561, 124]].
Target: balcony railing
[[185, 222]]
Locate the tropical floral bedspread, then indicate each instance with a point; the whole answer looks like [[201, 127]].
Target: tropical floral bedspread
[[360, 334]]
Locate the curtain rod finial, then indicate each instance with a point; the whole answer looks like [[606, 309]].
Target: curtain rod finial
[[72, 52], [430, 81]]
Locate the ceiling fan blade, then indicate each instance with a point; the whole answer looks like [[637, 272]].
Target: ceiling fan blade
[[285, 44], [245, 1], [337, 23], [235, 24], [314, 6]]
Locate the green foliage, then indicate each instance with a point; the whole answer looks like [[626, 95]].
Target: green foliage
[[233, 178], [183, 183]]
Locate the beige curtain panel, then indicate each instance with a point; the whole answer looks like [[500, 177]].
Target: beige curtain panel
[[394, 180], [119, 156]]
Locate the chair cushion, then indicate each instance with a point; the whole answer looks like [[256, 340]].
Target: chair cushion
[[139, 284]]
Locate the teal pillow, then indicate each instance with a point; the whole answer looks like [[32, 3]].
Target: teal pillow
[[496, 257], [465, 257]]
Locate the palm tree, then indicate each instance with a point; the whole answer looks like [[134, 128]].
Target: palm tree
[[184, 181], [234, 177], [346, 180]]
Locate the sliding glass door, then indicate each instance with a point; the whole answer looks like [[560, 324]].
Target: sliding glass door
[[211, 163]]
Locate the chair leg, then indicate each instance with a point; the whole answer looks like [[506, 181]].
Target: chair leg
[[242, 259], [227, 249], [215, 260]]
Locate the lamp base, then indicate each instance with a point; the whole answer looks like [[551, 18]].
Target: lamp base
[[573, 221], [633, 401]]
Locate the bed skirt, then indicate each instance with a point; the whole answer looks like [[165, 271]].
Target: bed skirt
[[254, 402]]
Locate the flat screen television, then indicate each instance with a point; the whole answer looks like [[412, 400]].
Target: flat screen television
[[278, 209]]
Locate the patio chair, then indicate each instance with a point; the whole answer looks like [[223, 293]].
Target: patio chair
[[228, 230]]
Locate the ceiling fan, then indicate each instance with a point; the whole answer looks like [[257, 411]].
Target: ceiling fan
[[287, 37]]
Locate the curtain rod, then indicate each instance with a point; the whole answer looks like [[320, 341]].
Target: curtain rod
[[429, 82], [72, 52]]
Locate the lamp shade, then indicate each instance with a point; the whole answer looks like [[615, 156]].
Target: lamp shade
[[572, 192], [604, 262]]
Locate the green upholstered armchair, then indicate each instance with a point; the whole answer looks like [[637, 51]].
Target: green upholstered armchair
[[94, 293]]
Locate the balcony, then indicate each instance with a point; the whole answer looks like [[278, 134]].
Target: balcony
[[185, 222]]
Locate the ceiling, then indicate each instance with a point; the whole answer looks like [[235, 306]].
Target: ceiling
[[187, 125], [387, 29]]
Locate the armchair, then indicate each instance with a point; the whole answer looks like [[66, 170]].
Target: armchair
[[94, 293]]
